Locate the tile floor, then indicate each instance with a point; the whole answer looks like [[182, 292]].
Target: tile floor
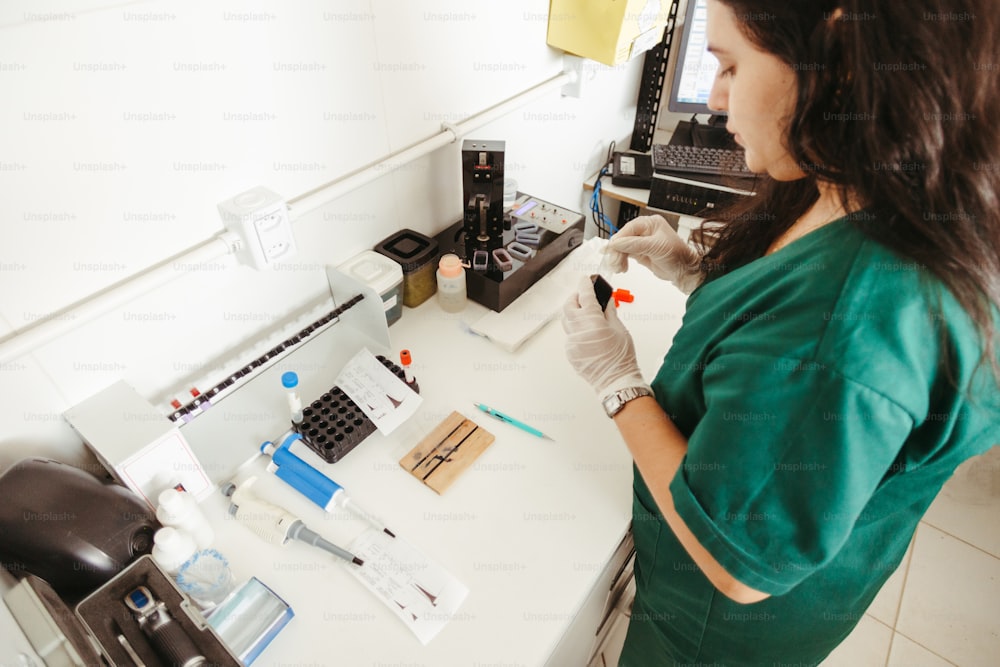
[[941, 607]]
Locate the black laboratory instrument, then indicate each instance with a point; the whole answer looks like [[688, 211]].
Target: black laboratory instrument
[[482, 190], [508, 249], [166, 636], [69, 528]]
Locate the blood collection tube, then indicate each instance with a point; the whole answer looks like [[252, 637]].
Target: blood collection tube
[[405, 359], [290, 381]]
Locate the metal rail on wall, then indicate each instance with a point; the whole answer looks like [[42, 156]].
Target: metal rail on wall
[[68, 318]]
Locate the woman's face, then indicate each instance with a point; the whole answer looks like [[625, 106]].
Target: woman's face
[[756, 90]]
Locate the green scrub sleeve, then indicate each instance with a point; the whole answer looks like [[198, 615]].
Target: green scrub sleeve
[[782, 465]]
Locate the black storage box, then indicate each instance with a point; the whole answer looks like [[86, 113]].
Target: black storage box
[[418, 255]]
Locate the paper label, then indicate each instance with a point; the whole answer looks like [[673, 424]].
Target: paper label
[[376, 390]]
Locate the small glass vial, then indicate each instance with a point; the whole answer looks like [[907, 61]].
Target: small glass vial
[[451, 283], [290, 381]]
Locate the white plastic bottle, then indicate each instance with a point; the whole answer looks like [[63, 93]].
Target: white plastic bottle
[[172, 548], [451, 283], [179, 509]]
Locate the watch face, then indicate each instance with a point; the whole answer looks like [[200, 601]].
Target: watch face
[[616, 401], [612, 404]]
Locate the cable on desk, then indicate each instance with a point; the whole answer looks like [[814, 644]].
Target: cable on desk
[[605, 228]]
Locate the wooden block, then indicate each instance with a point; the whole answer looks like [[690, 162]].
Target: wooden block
[[447, 451]]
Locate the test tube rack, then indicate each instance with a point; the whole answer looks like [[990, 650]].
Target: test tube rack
[[333, 424]]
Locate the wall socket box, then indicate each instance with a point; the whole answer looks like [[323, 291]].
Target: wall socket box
[[260, 218]]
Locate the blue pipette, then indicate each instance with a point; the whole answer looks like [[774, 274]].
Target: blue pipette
[[310, 482]]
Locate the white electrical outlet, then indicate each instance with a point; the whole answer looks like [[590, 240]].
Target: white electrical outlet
[[260, 218]]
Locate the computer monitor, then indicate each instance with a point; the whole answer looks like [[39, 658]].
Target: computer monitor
[[695, 67]]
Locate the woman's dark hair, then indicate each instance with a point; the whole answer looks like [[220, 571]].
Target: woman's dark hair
[[899, 104]]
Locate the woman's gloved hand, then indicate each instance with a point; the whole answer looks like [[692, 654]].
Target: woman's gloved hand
[[598, 345], [655, 245]]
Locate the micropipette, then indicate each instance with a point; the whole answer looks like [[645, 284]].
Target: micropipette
[[274, 524], [310, 482]]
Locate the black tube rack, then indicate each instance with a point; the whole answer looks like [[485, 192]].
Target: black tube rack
[[333, 424]]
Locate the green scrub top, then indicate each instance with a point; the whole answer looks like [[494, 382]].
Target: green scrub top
[[821, 424]]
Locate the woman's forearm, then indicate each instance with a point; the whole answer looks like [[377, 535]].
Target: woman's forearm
[[658, 450]]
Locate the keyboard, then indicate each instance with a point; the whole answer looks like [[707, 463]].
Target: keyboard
[[700, 160]]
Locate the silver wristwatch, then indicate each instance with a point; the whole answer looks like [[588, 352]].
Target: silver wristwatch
[[614, 403]]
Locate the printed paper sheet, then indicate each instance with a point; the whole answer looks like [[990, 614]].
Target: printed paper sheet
[[419, 591]]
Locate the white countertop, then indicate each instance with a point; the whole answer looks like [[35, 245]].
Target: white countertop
[[528, 528]]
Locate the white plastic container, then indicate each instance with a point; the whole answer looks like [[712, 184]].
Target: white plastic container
[[180, 510], [451, 291], [172, 548], [383, 275]]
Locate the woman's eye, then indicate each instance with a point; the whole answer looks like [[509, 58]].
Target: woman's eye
[[726, 72]]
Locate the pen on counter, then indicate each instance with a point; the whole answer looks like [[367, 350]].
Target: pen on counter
[[496, 414]]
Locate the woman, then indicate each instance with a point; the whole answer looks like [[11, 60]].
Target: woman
[[837, 359]]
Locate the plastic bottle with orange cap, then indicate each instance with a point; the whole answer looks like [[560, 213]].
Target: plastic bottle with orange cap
[[451, 284]]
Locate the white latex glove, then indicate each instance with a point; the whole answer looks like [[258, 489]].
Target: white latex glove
[[655, 245], [598, 345]]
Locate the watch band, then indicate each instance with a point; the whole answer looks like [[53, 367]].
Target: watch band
[[614, 403]]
